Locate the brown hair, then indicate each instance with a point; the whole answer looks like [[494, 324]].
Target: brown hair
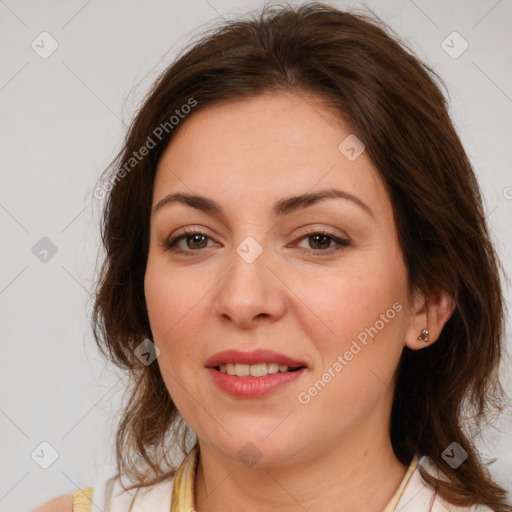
[[393, 104]]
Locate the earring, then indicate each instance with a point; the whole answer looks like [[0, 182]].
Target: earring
[[424, 335]]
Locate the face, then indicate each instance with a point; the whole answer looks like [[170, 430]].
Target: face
[[322, 282]]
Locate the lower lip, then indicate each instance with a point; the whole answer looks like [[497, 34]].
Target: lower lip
[[253, 387]]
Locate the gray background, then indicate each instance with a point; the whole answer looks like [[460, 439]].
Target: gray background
[[63, 119]]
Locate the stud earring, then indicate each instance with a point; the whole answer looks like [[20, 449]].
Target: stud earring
[[424, 335]]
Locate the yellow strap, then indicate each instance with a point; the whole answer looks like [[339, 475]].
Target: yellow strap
[[393, 502], [82, 500], [184, 481]]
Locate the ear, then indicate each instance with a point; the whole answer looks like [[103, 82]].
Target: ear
[[440, 305]]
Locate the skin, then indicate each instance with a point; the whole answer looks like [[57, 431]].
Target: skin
[[333, 453]]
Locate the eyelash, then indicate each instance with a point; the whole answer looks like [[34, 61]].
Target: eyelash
[[170, 245]]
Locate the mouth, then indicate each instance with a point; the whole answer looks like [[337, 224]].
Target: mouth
[[255, 380], [258, 363], [255, 370]]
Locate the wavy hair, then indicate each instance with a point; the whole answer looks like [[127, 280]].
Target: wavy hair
[[393, 103]]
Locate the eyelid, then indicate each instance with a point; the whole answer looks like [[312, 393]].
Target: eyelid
[[312, 230]]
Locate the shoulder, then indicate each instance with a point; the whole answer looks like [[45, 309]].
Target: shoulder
[[114, 496], [63, 503], [112, 493], [418, 496], [440, 505]]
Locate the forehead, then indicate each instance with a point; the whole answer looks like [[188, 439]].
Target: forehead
[[262, 149]]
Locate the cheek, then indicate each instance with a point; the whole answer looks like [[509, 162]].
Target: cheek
[[171, 296], [358, 357], [361, 313], [173, 304], [178, 304], [353, 301]]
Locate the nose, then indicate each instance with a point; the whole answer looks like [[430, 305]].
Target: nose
[[252, 292]]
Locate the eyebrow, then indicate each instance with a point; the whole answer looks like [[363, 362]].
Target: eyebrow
[[282, 207]]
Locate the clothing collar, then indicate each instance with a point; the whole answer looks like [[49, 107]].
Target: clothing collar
[[184, 481]]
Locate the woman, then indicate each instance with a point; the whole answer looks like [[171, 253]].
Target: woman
[[299, 274]]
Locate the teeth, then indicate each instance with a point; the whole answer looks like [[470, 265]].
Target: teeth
[[253, 370]]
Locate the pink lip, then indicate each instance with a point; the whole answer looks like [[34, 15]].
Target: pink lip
[[255, 357], [252, 387]]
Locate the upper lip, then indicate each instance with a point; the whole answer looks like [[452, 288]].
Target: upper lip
[[254, 357]]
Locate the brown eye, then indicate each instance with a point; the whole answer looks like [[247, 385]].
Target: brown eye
[[319, 243], [194, 241]]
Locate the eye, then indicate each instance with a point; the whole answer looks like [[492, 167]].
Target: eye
[[194, 240], [320, 242]]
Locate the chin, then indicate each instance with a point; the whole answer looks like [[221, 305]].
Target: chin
[[257, 448]]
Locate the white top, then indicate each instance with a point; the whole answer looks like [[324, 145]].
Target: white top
[[413, 496]]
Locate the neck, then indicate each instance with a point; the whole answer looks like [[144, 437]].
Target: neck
[[360, 474]]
